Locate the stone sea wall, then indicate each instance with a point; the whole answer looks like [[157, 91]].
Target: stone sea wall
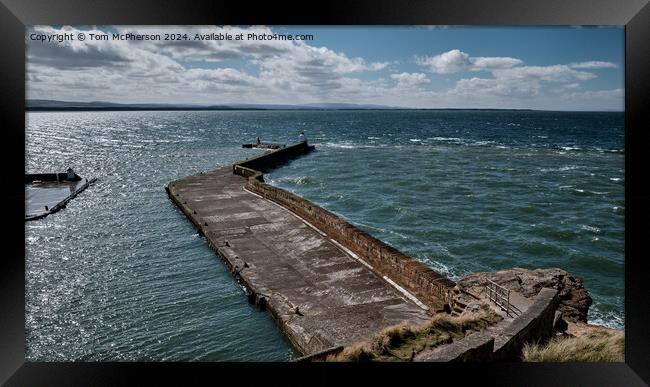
[[431, 288], [433, 291]]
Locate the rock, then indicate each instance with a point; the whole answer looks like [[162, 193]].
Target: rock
[[559, 325], [472, 308], [574, 298], [588, 330]]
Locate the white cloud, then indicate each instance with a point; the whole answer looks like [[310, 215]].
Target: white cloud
[[594, 64], [433, 26], [210, 50], [147, 67], [596, 94], [221, 80], [571, 86], [376, 66], [491, 63], [455, 61], [499, 88], [216, 72], [522, 82], [553, 73], [447, 63], [410, 79]]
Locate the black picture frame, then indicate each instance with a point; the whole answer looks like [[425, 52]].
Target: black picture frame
[[15, 14]]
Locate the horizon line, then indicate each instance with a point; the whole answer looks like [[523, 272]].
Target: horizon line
[[158, 106]]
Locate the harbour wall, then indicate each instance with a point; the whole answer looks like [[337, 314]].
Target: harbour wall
[[431, 288], [432, 291]]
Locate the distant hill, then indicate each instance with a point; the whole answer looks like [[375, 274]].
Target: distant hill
[[53, 105], [317, 106], [46, 104]]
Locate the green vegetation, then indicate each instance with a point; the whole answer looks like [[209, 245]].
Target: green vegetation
[[596, 346], [402, 342]]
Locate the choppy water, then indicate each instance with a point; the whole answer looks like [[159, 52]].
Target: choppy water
[[121, 275]]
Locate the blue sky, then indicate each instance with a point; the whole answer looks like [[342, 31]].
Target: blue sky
[[553, 68]]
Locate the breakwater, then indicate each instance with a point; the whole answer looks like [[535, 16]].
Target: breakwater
[[430, 287], [325, 282], [43, 182], [50, 177]]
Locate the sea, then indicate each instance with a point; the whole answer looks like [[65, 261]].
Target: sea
[[121, 275]]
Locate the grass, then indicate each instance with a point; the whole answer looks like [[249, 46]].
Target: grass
[[402, 342], [597, 346]]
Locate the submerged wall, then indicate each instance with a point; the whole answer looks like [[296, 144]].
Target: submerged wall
[[431, 288], [31, 177], [62, 204]]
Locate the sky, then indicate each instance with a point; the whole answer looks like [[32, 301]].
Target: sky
[[546, 68]]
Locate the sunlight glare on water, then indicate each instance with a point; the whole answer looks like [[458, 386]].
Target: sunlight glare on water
[[120, 274]]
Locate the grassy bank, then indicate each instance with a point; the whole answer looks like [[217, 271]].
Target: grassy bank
[[590, 345], [402, 342]]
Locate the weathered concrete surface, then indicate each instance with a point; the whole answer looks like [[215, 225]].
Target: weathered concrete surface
[[320, 296], [477, 346], [430, 289]]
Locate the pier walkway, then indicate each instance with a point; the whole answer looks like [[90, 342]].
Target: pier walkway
[[321, 293]]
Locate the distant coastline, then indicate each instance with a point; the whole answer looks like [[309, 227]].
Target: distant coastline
[[53, 105], [223, 108], [130, 108]]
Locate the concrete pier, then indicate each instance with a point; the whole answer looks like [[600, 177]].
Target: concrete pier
[[325, 282], [264, 145], [47, 193]]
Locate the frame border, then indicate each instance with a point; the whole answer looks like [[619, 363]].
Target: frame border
[[634, 14]]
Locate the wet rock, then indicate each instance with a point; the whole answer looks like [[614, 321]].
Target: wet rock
[[574, 298]]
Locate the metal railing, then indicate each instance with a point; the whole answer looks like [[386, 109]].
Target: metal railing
[[501, 296]]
